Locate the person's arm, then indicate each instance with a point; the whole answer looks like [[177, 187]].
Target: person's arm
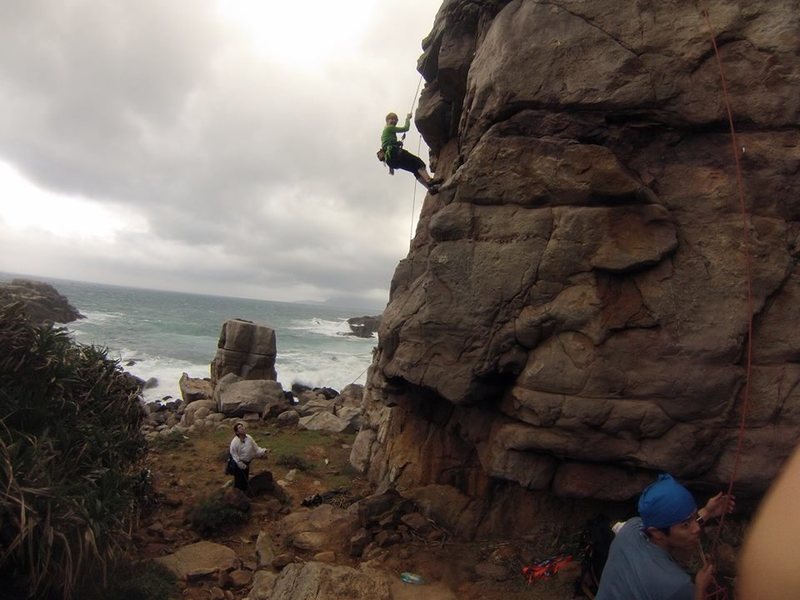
[[768, 564], [717, 506], [702, 580], [406, 126], [236, 452]]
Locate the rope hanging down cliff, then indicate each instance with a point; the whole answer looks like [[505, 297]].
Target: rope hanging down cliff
[[715, 591]]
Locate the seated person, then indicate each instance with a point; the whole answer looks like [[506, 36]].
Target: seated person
[[640, 561]]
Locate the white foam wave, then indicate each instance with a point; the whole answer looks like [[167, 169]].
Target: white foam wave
[[97, 317], [166, 372], [328, 369], [322, 327]]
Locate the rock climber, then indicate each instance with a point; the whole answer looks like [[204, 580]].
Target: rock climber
[[641, 561], [396, 157]]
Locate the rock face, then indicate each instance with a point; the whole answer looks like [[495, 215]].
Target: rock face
[[365, 327], [573, 315], [245, 349], [41, 301]]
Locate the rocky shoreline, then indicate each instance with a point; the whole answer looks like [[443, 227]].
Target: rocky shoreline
[[40, 301]]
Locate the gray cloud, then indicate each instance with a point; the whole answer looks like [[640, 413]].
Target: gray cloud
[[255, 176]]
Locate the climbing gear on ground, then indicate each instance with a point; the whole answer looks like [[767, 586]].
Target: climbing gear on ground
[[412, 578], [546, 567]]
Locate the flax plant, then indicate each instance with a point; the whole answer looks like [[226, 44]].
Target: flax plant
[[70, 458]]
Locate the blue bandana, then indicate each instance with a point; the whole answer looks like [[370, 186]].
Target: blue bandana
[[665, 503]]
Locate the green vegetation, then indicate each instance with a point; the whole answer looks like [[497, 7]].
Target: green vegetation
[[292, 461], [70, 452], [212, 515], [171, 440], [145, 580]]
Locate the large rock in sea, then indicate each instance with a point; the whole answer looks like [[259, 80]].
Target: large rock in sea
[[40, 301], [246, 349], [573, 314], [365, 326]]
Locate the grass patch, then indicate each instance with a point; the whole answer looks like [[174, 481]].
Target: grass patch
[[288, 442], [344, 479], [172, 439], [146, 580], [212, 515], [292, 461]]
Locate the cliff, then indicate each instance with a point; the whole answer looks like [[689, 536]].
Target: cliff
[[573, 314], [40, 301]]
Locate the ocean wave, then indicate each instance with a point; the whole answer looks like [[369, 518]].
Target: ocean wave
[[323, 369], [98, 318], [322, 327], [165, 371]]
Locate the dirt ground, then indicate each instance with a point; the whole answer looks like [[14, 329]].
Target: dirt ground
[[188, 468]]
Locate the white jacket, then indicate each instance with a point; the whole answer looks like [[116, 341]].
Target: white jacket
[[245, 451]]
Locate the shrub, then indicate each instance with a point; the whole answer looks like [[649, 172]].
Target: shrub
[[70, 451], [292, 461], [213, 514], [146, 580]]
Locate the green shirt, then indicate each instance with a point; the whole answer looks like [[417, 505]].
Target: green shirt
[[389, 136]]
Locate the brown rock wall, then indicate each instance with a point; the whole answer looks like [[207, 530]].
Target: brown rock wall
[[573, 314]]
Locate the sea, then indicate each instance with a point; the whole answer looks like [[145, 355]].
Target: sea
[[158, 335]]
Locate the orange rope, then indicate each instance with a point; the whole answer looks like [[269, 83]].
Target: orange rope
[[715, 591]]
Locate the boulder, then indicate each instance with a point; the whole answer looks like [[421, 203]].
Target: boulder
[[319, 528], [263, 583], [236, 397], [312, 403], [365, 327], [350, 415], [190, 413], [245, 349], [287, 418], [351, 395], [193, 389], [265, 549], [324, 421], [199, 559], [322, 581]]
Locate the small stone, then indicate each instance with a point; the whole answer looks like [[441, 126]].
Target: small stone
[[328, 556]]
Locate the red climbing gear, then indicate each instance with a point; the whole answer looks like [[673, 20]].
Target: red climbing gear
[[545, 568]]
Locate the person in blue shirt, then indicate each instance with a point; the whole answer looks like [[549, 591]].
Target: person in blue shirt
[[640, 562], [396, 157]]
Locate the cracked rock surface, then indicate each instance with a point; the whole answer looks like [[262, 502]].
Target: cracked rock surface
[[572, 317]]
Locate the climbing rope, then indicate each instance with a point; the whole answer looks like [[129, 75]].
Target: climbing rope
[[359, 376], [414, 200], [419, 146], [715, 591]]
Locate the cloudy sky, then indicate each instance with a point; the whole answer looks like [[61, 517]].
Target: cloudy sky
[[211, 146]]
